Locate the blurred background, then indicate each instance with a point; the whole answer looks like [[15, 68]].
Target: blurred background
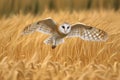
[[8, 7]]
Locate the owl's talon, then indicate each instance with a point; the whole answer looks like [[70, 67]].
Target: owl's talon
[[53, 46]]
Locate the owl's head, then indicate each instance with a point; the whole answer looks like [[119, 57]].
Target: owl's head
[[65, 28]]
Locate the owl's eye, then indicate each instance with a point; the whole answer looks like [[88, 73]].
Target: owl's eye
[[63, 26], [68, 27]]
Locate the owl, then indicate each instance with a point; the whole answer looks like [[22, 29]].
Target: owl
[[59, 32]]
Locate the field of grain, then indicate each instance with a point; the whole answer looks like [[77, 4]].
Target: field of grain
[[28, 58]]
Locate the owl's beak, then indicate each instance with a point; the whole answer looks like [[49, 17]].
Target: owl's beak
[[65, 31]]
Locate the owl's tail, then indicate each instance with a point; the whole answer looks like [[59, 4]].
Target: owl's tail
[[53, 42], [49, 41]]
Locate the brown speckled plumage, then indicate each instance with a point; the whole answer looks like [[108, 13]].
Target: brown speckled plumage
[[58, 34]]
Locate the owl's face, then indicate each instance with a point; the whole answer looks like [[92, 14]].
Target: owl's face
[[65, 28]]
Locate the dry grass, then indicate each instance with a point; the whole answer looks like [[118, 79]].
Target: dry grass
[[28, 58]]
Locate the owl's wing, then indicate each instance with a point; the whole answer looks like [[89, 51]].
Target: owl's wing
[[47, 26], [87, 33]]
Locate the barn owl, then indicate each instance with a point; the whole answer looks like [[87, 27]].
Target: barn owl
[[58, 33]]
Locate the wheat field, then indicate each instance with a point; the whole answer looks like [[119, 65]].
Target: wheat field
[[28, 58]]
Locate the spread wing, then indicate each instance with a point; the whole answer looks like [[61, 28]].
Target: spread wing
[[88, 33], [47, 26]]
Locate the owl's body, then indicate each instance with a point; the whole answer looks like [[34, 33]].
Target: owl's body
[[58, 33], [55, 40]]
